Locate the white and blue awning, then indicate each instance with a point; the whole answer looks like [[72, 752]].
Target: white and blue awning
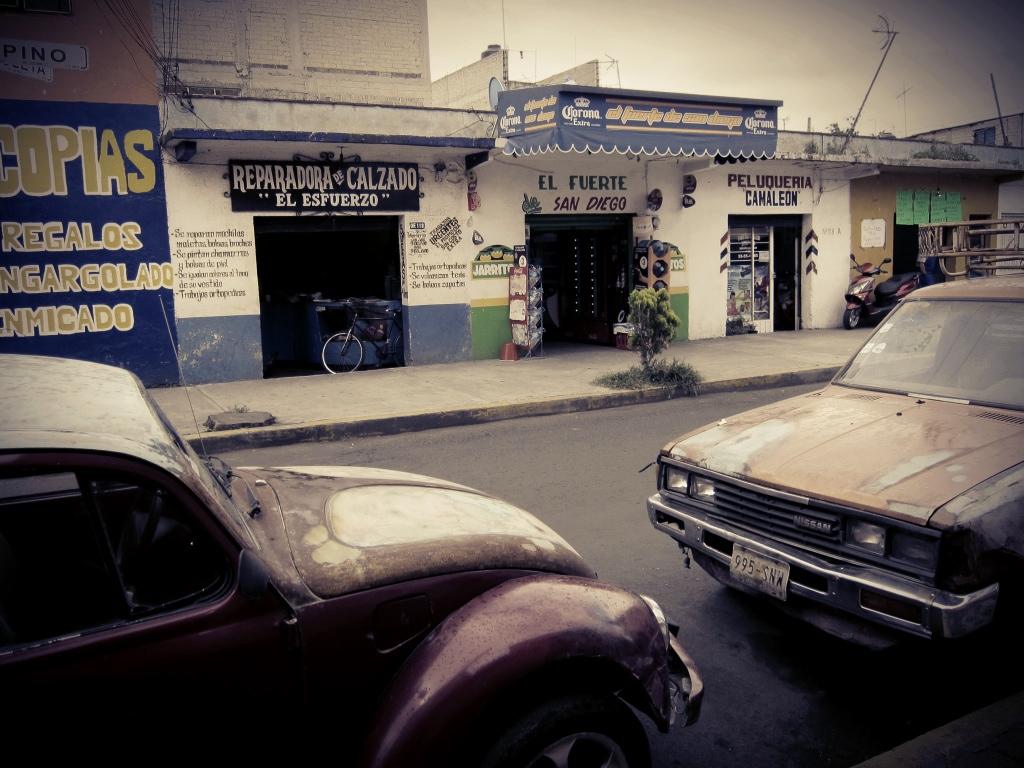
[[572, 118]]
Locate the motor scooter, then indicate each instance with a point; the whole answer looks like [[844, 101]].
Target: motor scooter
[[866, 301]]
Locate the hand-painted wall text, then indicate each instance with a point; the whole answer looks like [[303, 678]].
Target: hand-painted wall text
[[767, 190], [85, 270]]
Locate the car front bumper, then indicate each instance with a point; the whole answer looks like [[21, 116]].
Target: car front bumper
[[924, 610], [687, 685]]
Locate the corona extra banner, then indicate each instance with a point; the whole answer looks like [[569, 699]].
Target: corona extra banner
[[85, 270], [583, 119]]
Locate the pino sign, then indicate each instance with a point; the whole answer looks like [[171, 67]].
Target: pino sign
[[34, 53]]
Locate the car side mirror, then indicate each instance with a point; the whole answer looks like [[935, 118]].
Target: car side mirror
[[253, 576]]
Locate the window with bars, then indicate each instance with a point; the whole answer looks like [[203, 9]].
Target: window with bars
[[986, 136], [36, 6]]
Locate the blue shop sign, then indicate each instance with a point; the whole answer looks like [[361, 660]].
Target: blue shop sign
[[581, 119]]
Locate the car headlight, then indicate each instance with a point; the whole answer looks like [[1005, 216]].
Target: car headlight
[[677, 480], [867, 536], [915, 550], [978, 523], [703, 488], [659, 616]]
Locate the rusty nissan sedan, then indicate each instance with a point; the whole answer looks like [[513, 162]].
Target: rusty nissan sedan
[[419, 621], [892, 500]]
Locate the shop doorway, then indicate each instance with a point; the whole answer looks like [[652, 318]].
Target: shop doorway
[[763, 291], [904, 248], [785, 277], [585, 263], [305, 259]]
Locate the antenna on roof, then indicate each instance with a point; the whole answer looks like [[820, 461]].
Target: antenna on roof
[[612, 62], [890, 37], [903, 95]]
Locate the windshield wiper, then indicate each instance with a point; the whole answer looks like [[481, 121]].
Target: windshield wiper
[[940, 398], [221, 470]]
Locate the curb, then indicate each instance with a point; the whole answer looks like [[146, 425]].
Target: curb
[[318, 431], [991, 736]]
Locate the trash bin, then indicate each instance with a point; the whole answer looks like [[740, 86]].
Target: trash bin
[[622, 333]]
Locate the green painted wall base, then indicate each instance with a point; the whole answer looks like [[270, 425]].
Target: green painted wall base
[[490, 330], [681, 306], [490, 326]]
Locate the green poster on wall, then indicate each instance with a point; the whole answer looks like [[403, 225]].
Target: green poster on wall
[[922, 201], [954, 210], [904, 207], [938, 213]]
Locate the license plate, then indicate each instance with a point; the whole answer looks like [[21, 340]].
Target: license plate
[[763, 573]]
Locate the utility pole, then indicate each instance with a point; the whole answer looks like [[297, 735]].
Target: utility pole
[[890, 37], [999, 111], [504, 38]]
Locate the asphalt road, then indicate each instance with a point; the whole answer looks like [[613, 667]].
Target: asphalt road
[[778, 693]]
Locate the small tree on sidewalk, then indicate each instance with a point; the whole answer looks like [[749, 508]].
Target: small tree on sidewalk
[[654, 324]]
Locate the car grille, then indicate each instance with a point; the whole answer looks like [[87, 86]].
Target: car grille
[[816, 524], [782, 517]]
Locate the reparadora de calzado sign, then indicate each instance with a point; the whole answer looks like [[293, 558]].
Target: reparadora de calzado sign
[[323, 186]]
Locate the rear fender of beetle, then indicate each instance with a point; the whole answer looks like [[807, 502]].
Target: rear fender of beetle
[[519, 630]]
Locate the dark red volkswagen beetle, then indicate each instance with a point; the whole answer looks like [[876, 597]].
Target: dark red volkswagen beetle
[[423, 622]]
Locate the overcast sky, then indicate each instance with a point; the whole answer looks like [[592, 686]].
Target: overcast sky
[[817, 56]]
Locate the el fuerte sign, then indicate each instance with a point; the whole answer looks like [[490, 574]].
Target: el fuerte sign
[[274, 185]]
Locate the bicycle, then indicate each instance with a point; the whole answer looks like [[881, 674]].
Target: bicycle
[[345, 351]]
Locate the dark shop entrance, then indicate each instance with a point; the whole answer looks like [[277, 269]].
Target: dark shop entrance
[[303, 260], [585, 262]]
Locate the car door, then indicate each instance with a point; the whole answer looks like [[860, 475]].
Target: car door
[[120, 590]]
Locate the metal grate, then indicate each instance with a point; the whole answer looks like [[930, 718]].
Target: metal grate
[[861, 397], [1005, 417]]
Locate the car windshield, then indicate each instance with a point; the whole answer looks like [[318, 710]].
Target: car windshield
[[214, 474], [963, 350]]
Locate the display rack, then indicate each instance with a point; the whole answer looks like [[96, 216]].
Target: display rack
[[526, 307]]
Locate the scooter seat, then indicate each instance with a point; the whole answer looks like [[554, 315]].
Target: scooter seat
[[893, 284]]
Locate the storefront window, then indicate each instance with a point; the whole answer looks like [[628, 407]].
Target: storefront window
[[750, 253]]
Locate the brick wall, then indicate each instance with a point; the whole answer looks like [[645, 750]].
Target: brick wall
[[367, 51], [964, 134], [587, 73], [466, 88]]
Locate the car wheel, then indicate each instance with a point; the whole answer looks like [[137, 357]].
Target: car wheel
[[851, 318], [574, 731]]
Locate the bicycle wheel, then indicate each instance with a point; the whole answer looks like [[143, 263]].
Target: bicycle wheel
[[342, 352]]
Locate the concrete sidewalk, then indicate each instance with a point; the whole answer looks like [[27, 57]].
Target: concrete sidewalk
[[391, 400], [992, 737]]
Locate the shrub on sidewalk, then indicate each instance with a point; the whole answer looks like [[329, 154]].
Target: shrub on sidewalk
[[660, 373], [654, 324]]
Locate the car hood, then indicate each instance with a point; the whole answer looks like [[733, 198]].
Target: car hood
[[352, 528], [896, 455]]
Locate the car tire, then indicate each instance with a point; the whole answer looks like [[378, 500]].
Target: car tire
[[851, 318], [574, 730]]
